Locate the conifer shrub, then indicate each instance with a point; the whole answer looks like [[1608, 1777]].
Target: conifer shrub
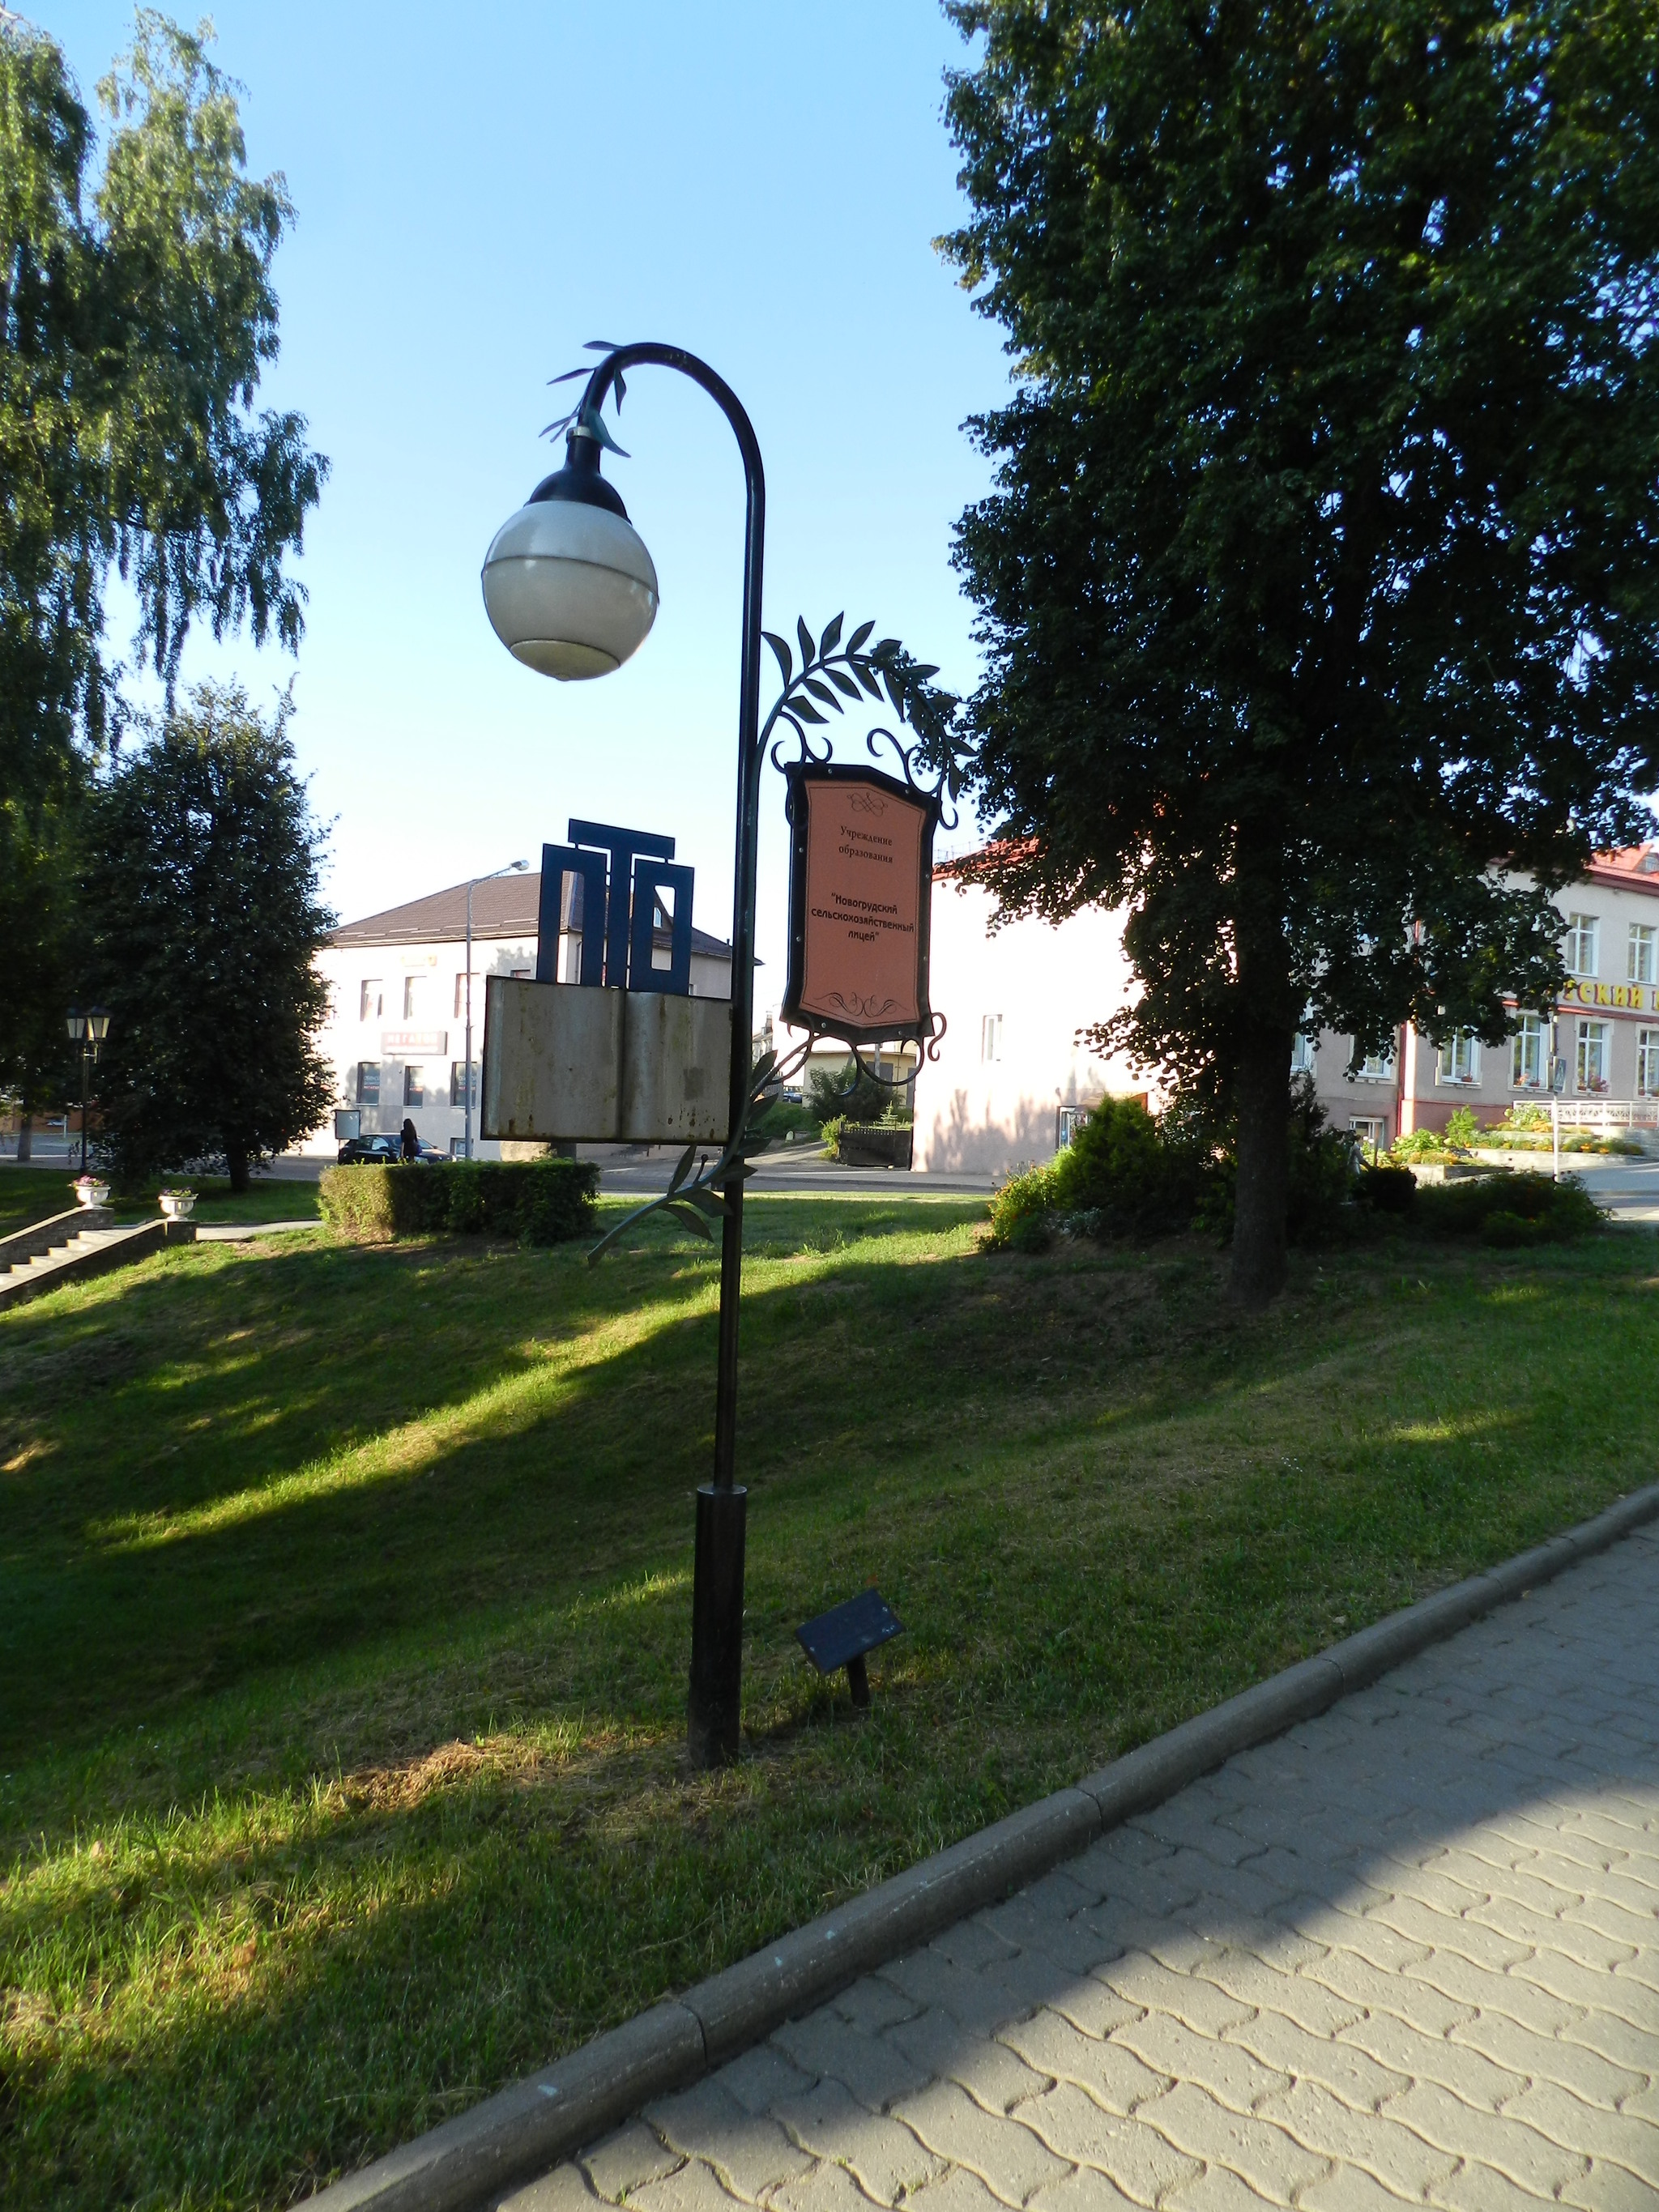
[[1126, 1173], [1143, 1177]]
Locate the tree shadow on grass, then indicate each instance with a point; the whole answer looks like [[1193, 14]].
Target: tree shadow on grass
[[222, 1371], [275, 1467], [979, 1436], [332, 1990], [163, 1565], [355, 1976]]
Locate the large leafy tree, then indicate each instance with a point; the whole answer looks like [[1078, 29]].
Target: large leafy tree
[[136, 316], [1318, 584], [199, 895], [37, 969]]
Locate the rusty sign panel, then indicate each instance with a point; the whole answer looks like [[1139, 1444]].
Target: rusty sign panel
[[564, 1063], [860, 886]]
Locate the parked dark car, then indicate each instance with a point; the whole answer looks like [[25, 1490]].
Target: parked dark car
[[357, 1150]]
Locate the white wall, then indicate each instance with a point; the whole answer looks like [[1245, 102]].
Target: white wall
[[1046, 982]]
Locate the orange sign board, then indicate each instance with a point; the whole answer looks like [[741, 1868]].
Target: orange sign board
[[860, 895]]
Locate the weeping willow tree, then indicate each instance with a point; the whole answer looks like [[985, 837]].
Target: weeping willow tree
[[136, 318]]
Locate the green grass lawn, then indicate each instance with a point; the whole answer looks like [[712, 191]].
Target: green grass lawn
[[32, 1193], [345, 1593]]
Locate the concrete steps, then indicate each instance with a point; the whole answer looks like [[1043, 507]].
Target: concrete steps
[[68, 1247]]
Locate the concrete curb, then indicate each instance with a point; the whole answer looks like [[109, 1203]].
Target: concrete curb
[[242, 1232], [466, 2163]]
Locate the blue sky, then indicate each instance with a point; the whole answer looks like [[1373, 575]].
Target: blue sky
[[477, 192]]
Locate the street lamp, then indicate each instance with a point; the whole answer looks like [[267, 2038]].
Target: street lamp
[[572, 592], [568, 584], [88, 1030], [513, 868]]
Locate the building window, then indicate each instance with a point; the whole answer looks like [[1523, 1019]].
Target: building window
[[414, 1087], [1593, 1040], [1376, 1067], [414, 997], [1459, 1059], [1071, 1119], [990, 1037], [522, 975], [1642, 935], [1647, 1063], [371, 998], [1370, 1130], [458, 1085], [1583, 931], [368, 1082], [1528, 1060], [1304, 1050], [460, 994]]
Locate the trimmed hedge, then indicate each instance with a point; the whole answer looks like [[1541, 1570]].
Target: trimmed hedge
[[535, 1201], [1511, 1210]]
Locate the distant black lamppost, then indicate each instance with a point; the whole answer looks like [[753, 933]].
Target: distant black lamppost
[[572, 593], [513, 868], [88, 1030]]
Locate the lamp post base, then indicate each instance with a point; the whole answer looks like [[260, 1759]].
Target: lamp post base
[[715, 1709]]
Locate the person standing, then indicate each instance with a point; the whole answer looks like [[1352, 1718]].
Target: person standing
[[409, 1147]]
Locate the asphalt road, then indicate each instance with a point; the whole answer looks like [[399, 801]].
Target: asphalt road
[[1627, 1188], [807, 1171]]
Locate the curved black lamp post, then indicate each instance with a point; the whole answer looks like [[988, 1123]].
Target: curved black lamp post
[[572, 593]]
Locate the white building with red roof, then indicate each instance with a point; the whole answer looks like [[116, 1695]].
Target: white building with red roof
[[397, 1029], [1012, 1076]]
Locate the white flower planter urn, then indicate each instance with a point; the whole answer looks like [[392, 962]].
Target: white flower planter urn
[[92, 1194], [176, 1205]]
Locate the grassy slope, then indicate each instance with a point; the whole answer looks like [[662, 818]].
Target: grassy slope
[[31, 1193], [376, 1564]]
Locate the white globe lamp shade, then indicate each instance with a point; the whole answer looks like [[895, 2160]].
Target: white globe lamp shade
[[568, 584]]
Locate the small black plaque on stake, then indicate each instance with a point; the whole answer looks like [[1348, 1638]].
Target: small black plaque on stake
[[842, 1637]]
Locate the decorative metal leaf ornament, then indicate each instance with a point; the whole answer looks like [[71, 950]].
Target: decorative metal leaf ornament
[[852, 670]]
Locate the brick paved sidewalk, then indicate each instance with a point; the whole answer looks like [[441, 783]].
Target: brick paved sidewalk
[[1408, 1953]]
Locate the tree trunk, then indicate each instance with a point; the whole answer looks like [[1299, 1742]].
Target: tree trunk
[[236, 1161], [1264, 1117], [25, 1138]]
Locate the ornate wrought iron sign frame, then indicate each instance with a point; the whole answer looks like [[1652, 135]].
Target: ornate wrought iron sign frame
[[830, 673], [864, 914]]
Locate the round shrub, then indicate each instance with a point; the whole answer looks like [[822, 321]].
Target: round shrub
[[1023, 1198], [1389, 1190], [1140, 1175]]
